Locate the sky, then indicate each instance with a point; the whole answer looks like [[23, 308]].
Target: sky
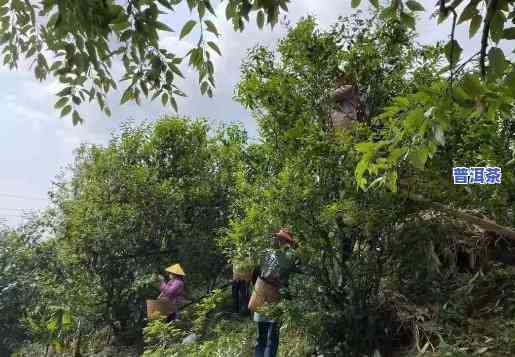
[[36, 145]]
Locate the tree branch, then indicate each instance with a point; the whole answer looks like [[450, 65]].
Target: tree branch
[[145, 255], [461, 66], [452, 64], [481, 222], [484, 38]]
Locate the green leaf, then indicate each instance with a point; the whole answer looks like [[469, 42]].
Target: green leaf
[[408, 20], [442, 16], [127, 95], [66, 110], [52, 325], [418, 158], [361, 168], [30, 52], [204, 87], [65, 91], [164, 98], [55, 65], [214, 47], [260, 19], [472, 85], [166, 4], [497, 61], [453, 51], [209, 7], [61, 102], [378, 182], [163, 27], [188, 26], [414, 5], [414, 119], [366, 148], [4, 38], [509, 33], [155, 95], [503, 5], [461, 96], [144, 88], [229, 10], [475, 23], [375, 3], [76, 119], [355, 3], [42, 61], [177, 71], [191, 4], [469, 11], [497, 26], [245, 9], [173, 103], [211, 27], [391, 181], [196, 57], [201, 8], [510, 82]]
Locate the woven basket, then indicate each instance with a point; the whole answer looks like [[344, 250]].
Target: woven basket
[[241, 275], [160, 309], [264, 293]]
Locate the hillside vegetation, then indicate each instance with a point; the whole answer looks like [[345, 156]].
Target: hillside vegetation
[[397, 260]]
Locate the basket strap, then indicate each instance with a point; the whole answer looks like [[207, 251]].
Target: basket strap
[[269, 282]]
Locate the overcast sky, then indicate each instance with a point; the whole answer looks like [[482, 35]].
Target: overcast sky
[[35, 144]]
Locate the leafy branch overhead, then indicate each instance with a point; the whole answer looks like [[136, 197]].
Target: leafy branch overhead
[[418, 128], [81, 43]]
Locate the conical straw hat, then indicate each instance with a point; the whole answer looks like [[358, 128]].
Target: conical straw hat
[[176, 269]]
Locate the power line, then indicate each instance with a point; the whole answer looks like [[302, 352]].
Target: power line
[[12, 215], [23, 197], [18, 209]]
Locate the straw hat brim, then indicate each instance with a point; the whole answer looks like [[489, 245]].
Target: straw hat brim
[[286, 236], [176, 269]]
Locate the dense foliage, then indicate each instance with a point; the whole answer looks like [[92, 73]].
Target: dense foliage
[[82, 43], [156, 194]]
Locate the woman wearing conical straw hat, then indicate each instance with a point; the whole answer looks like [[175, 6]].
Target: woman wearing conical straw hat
[[174, 288]]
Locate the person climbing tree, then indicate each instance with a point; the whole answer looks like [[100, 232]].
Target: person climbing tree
[[173, 289], [271, 284]]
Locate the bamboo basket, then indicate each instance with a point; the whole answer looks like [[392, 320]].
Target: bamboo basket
[[241, 275], [264, 293], [160, 309]]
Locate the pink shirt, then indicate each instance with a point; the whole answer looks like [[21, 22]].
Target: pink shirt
[[173, 290]]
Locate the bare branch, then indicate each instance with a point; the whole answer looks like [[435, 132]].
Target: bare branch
[[486, 224], [452, 64], [471, 58], [484, 38]]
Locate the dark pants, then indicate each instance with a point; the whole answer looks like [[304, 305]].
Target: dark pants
[[240, 296], [172, 317], [267, 339]]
